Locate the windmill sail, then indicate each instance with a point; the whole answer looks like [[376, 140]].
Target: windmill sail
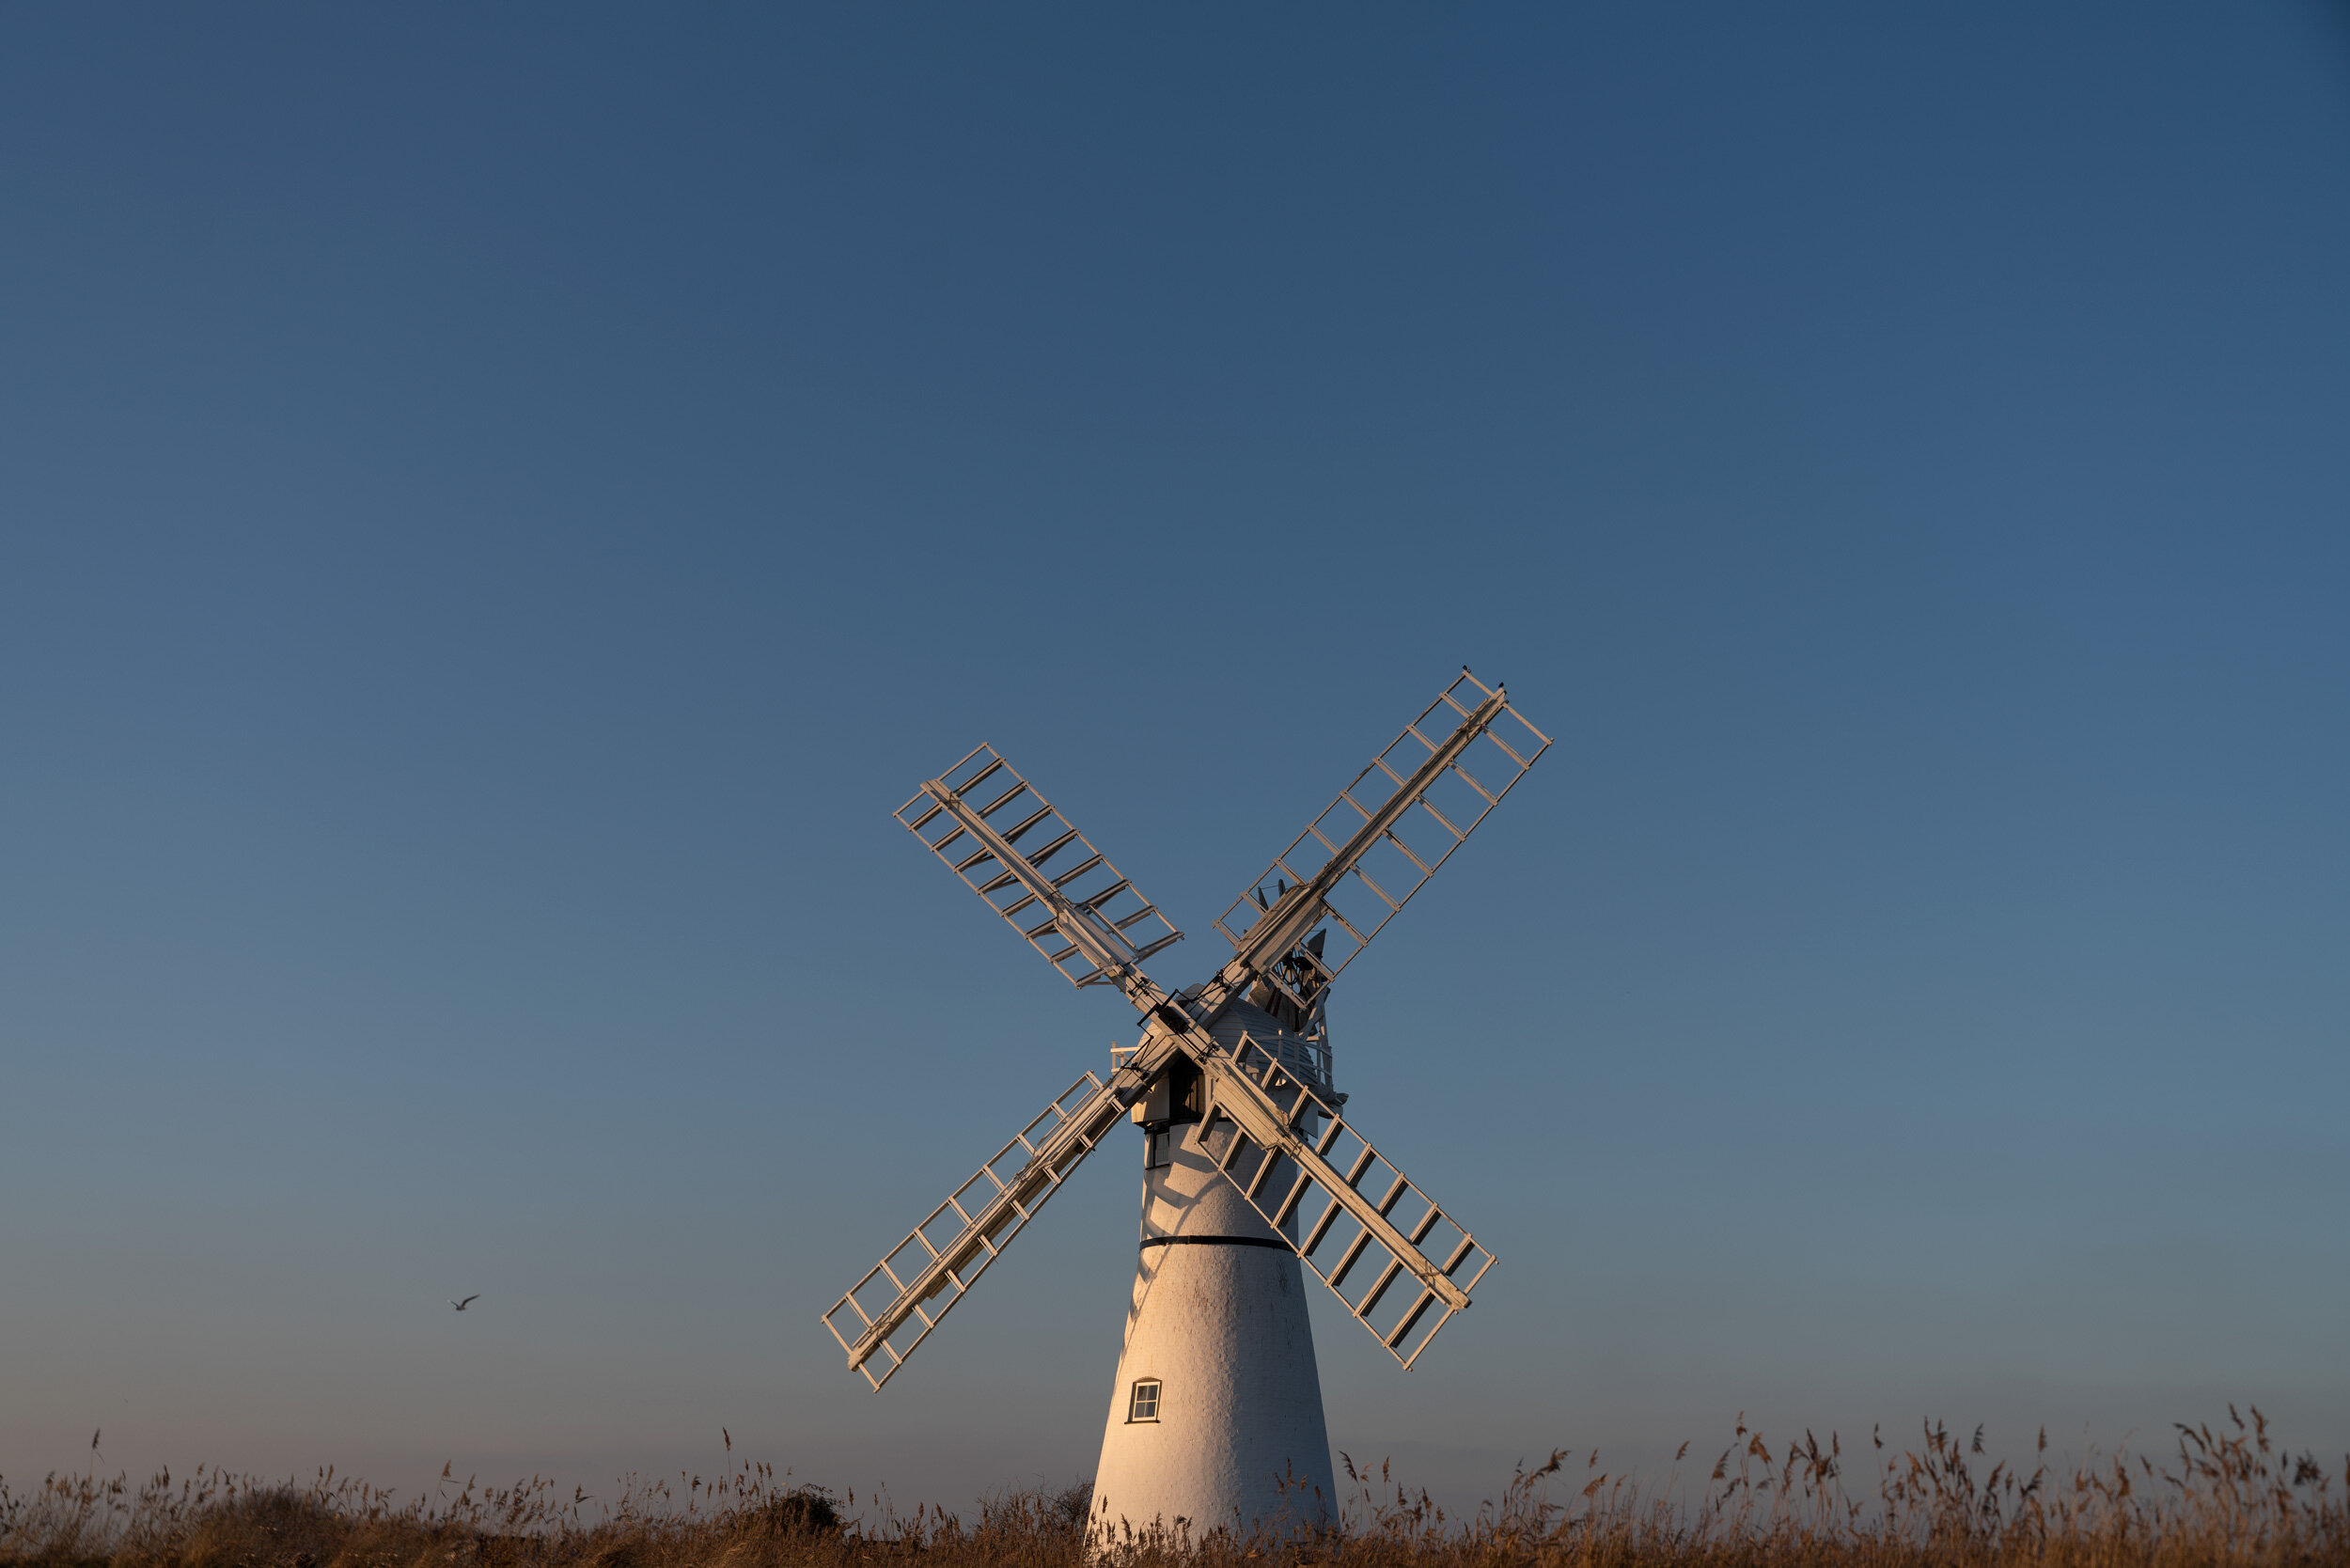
[[1382, 838], [1360, 1224], [1006, 843], [1365, 1229], [1056, 890], [903, 1297]]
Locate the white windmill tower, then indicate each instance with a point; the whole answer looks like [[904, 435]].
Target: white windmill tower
[[1215, 1417]]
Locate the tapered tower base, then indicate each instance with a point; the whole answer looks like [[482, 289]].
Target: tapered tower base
[[1215, 1419]]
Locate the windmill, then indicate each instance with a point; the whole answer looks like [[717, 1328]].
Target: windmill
[[1248, 1170]]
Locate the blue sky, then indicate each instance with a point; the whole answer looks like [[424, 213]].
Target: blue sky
[[495, 510]]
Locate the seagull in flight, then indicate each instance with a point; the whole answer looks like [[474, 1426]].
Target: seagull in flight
[[461, 1304]]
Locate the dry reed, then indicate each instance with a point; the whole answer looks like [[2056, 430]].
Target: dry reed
[[2227, 1496]]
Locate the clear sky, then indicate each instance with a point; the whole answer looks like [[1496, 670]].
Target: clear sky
[[495, 510]]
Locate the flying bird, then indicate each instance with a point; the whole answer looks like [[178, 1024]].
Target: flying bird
[[461, 1304]]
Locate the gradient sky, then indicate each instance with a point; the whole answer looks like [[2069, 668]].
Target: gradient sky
[[495, 510]]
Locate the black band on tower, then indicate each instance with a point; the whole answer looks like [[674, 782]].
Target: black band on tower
[[1212, 1240]]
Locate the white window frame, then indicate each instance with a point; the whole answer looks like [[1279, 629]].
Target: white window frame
[[1134, 1402]]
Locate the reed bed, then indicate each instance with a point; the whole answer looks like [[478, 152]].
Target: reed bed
[[2226, 1496]]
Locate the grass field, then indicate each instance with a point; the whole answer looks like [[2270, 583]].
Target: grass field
[[2225, 1495]]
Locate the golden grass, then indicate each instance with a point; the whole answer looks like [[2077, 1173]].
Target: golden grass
[[2225, 1497]]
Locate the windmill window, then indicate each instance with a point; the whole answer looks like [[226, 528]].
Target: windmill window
[[1144, 1406], [1158, 1150]]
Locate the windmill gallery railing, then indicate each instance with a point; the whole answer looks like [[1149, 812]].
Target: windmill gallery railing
[[1350, 1214]]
